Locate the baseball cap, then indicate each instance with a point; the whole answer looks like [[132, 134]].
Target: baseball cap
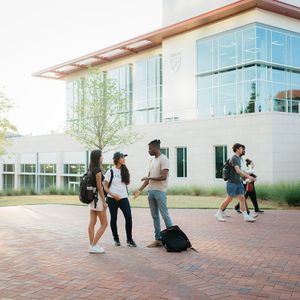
[[119, 155]]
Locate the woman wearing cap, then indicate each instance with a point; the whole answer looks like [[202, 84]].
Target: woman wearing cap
[[97, 209], [117, 197]]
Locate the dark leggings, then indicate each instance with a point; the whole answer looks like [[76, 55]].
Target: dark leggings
[[253, 198], [124, 205]]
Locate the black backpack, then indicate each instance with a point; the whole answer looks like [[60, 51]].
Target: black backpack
[[226, 170], [175, 240], [87, 192]]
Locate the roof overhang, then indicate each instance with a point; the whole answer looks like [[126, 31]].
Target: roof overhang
[[155, 38]]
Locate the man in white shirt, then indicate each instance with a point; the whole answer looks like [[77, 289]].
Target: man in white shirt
[[157, 181]]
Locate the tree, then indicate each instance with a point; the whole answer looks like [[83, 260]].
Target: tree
[[6, 128], [101, 114]]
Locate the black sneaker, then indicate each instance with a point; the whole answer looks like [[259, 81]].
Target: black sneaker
[[260, 211], [117, 243], [131, 243], [238, 210]]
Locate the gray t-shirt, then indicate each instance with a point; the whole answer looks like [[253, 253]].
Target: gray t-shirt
[[234, 176]]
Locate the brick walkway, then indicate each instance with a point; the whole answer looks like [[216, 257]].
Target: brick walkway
[[43, 255]]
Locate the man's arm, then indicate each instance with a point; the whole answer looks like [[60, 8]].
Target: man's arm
[[163, 176], [243, 174]]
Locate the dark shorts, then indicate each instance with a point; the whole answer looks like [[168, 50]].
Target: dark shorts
[[234, 189]]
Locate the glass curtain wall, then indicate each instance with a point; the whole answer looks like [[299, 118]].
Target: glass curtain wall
[[27, 177], [8, 177], [123, 78], [248, 70], [48, 178], [71, 177], [147, 100]]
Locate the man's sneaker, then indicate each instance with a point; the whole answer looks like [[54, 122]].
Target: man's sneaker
[[96, 249], [260, 211], [225, 213], [249, 218], [131, 243], [117, 243], [156, 243], [255, 215], [219, 216]]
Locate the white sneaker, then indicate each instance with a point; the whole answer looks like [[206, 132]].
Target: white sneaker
[[255, 215], [249, 218], [219, 216], [225, 213], [96, 249]]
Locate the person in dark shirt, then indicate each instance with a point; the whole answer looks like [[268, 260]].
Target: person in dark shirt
[[234, 185]]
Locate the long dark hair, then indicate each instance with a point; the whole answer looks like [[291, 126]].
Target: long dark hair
[[125, 176], [95, 159]]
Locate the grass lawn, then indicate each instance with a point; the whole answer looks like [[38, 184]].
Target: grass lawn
[[173, 201]]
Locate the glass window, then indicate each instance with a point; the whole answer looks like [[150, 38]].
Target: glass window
[[181, 162], [249, 97], [8, 168], [227, 99], [8, 182], [227, 50], [72, 183], [165, 151], [245, 80], [27, 181], [220, 159], [278, 48], [249, 52], [205, 55], [261, 44], [28, 168], [48, 168], [295, 50], [46, 182], [205, 103], [147, 102], [74, 169]]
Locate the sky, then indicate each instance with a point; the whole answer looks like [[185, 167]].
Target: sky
[[37, 34]]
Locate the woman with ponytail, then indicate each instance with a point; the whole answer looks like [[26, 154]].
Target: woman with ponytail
[[117, 197]]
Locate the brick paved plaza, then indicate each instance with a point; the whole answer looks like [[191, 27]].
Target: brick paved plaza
[[43, 255]]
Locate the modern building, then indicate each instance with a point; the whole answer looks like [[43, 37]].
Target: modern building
[[216, 73]]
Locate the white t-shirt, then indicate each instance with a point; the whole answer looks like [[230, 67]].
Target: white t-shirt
[[157, 164], [117, 186]]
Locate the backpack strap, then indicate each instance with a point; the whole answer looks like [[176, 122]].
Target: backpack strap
[[111, 177]]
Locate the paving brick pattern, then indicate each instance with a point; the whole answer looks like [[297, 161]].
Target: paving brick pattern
[[43, 255]]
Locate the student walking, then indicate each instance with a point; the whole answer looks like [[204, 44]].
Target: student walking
[[250, 189], [98, 206], [157, 182], [234, 185], [115, 184]]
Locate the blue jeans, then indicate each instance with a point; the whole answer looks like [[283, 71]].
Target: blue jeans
[[158, 202]]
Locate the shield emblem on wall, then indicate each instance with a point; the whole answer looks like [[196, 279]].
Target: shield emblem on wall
[[175, 61]]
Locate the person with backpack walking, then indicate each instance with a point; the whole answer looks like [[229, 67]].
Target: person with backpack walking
[[98, 206], [157, 181], [234, 185], [115, 185], [250, 189]]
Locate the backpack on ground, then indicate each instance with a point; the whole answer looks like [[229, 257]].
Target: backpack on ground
[[226, 170], [175, 240], [87, 192]]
